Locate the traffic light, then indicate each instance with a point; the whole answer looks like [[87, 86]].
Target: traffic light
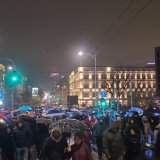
[[103, 102], [13, 78]]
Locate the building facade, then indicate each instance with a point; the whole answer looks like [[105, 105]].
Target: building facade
[[122, 83]]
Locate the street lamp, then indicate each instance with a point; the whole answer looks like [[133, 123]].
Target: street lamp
[[11, 61], [94, 57], [10, 68]]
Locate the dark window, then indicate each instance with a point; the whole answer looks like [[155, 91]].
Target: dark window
[[154, 85], [93, 76], [86, 94], [122, 76], [93, 94], [103, 76], [149, 85], [149, 76], [143, 76], [85, 86], [86, 76], [154, 76], [138, 76], [94, 85]]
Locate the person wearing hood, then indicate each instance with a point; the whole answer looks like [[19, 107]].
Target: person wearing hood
[[98, 130], [79, 150], [113, 143], [55, 146], [22, 139]]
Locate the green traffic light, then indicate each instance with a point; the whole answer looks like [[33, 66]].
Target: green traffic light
[[14, 78], [103, 102]]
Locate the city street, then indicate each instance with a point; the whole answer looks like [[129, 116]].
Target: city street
[[88, 70]]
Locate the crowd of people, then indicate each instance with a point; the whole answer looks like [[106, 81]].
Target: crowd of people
[[124, 138]]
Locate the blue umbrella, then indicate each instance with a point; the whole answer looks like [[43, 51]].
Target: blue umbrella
[[136, 109], [24, 108]]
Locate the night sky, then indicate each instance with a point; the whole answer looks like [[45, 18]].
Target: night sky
[[45, 35]]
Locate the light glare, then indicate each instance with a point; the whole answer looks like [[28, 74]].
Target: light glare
[[80, 53]]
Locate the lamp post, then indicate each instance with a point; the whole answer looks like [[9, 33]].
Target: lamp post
[[10, 68], [94, 57], [11, 61], [131, 92]]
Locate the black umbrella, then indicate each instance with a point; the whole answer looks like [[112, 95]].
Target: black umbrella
[[75, 125]]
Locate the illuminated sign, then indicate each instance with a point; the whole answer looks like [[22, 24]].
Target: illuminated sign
[[34, 91]]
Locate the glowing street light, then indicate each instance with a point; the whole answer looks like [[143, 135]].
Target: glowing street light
[[10, 68], [80, 53]]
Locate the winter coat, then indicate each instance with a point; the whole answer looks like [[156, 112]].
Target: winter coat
[[43, 133], [8, 146], [84, 153], [22, 137], [132, 142], [113, 143], [136, 129], [99, 128], [34, 137], [53, 150]]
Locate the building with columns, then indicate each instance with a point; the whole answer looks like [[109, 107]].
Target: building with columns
[[119, 83]]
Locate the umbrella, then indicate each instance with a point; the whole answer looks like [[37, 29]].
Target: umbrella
[[24, 108], [136, 109], [75, 125], [43, 120], [27, 114], [27, 119], [2, 121], [2, 116]]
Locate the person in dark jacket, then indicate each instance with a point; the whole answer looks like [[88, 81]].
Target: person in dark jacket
[[7, 143], [43, 133], [34, 140], [55, 146], [98, 130], [113, 142], [22, 139], [132, 142], [157, 145], [133, 124]]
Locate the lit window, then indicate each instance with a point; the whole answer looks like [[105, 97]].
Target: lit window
[[108, 69]]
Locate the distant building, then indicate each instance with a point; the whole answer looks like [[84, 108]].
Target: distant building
[[119, 82]]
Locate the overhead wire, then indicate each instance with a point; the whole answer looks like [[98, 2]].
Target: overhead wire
[[126, 24], [107, 31], [102, 43]]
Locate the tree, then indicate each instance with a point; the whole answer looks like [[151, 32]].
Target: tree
[[139, 95], [117, 84]]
